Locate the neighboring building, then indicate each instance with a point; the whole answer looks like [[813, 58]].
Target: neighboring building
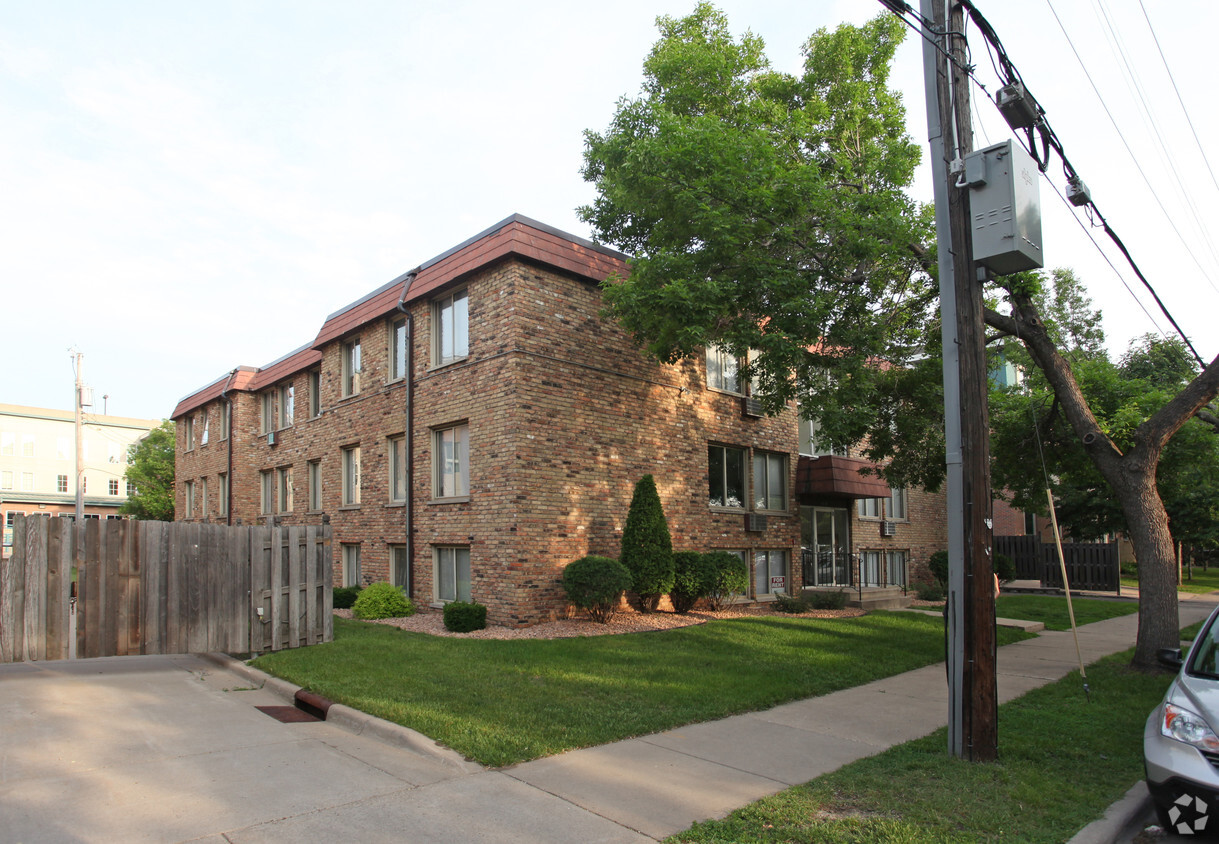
[[474, 425], [38, 462]]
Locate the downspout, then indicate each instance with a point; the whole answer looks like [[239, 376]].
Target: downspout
[[408, 435], [227, 407]]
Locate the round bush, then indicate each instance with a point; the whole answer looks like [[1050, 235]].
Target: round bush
[[693, 578], [345, 596], [596, 584], [731, 577], [463, 617], [938, 563], [382, 600]]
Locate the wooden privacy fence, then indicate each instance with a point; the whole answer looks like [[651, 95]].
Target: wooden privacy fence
[[162, 587], [1090, 565]]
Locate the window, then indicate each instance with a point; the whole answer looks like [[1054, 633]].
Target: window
[[8, 444], [723, 370], [27, 481], [226, 420], [286, 400], [868, 508], [769, 572], [202, 496], [399, 568], [869, 568], [351, 368], [726, 476], [451, 321], [397, 468], [266, 418], [207, 419], [189, 433], [351, 564], [27, 445], [130, 488], [266, 491], [61, 483], [896, 562], [809, 446], [895, 505], [351, 476], [315, 393], [112, 486], [451, 459], [315, 485], [6, 479], [397, 349], [1030, 523], [452, 574], [284, 484], [769, 481], [114, 452], [190, 499], [222, 502]]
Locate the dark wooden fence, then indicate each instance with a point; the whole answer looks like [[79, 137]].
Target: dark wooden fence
[[161, 587], [1092, 566]]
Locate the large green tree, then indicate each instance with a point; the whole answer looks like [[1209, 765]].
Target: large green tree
[[766, 214], [150, 467]]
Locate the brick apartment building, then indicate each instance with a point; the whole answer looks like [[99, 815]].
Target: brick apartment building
[[474, 425]]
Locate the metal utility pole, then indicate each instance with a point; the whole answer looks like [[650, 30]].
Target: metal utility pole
[[973, 695]]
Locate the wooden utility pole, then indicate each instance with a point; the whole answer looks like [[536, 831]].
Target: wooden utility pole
[[973, 695]]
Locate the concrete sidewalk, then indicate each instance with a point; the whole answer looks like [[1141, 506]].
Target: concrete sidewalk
[[173, 749]]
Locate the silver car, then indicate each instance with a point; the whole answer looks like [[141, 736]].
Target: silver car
[[1180, 747]]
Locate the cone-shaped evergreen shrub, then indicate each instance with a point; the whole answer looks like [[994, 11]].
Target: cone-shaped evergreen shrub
[[647, 548]]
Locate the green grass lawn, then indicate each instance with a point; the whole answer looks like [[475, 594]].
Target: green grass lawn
[[506, 701], [1199, 581], [1052, 609]]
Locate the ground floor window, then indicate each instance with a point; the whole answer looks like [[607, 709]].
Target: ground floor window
[[769, 572], [399, 570], [869, 568], [452, 573], [897, 568], [882, 568], [351, 564]]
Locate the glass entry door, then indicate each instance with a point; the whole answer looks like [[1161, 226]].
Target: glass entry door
[[826, 545]]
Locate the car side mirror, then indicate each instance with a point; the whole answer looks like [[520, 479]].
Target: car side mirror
[[1170, 658]]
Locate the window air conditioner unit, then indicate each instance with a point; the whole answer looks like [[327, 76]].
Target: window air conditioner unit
[[888, 528], [270, 438], [755, 522], [752, 407]]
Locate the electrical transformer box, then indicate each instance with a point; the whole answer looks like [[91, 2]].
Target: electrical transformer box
[[1005, 208]]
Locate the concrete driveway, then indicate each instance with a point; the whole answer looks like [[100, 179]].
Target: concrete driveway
[[173, 748]]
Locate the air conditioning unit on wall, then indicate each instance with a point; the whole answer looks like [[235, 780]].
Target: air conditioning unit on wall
[[270, 438], [752, 407], [888, 528], [755, 522]]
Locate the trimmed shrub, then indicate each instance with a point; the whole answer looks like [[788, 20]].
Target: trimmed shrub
[[647, 548], [345, 596], [790, 603], [828, 600], [938, 563], [1004, 567], [381, 600], [929, 591], [731, 577], [596, 584], [463, 617], [693, 578]]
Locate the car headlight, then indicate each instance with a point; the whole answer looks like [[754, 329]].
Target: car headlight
[[1189, 727]]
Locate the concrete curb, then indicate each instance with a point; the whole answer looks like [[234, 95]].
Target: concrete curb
[[351, 720], [1119, 821]]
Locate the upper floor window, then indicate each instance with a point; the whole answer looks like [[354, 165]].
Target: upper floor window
[[315, 393], [810, 446], [868, 508], [61, 483], [397, 469], [352, 366], [769, 481], [112, 486], [226, 420], [8, 444], [190, 499], [27, 445], [266, 491], [285, 398], [315, 485], [726, 476], [723, 370], [207, 418], [189, 433], [351, 476], [222, 494], [451, 322], [284, 484], [895, 505], [266, 417], [451, 459], [397, 349]]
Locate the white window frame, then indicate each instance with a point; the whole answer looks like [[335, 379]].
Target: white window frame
[[61, 483], [450, 562], [27, 481], [769, 491], [6, 479], [27, 446], [397, 349], [352, 366], [451, 462], [351, 476], [723, 371], [8, 444], [724, 502], [451, 327], [396, 454], [112, 486]]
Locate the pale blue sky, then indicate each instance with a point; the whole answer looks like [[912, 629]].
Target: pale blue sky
[[188, 187]]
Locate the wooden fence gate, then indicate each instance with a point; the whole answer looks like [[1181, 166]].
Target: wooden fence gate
[[162, 587]]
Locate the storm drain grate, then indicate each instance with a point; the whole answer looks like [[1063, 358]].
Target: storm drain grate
[[288, 714]]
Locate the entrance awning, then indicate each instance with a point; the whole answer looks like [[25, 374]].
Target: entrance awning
[[833, 475]]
